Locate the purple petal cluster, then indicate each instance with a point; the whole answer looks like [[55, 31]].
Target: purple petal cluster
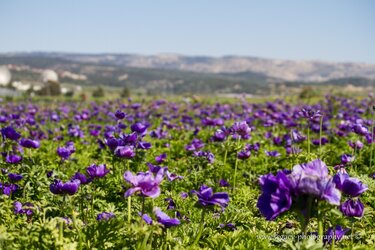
[[97, 171], [67, 188], [164, 219], [206, 197], [145, 183], [309, 179]]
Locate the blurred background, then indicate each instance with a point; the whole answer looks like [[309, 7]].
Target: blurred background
[[216, 48]]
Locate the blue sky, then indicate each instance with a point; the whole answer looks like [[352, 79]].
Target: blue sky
[[334, 30]]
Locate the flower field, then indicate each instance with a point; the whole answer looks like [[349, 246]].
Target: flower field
[[188, 174]]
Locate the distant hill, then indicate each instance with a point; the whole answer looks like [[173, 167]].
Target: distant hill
[[170, 73], [286, 70]]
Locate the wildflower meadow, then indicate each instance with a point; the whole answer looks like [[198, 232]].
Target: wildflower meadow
[[188, 173]]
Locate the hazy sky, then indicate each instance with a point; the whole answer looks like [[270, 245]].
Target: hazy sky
[[334, 30]]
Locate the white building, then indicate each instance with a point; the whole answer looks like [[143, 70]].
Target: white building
[[5, 76]]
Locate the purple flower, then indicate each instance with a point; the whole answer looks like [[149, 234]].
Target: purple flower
[[206, 197], [75, 131], [104, 216], [210, 157], [158, 133], [69, 187], [81, 177], [312, 179], [253, 147], [276, 195], [219, 135], [125, 152], [20, 208], [67, 151], [95, 171], [230, 226], [161, 158], [112, 143], [13, 158], [130, 138], [146, 218], [360, 130], [352, 208], [323, 141], [120, 115], [243, 155], [9, 188], [144, 145], [346, 158], [171, 203], [14, 177], [164, 219], [63, 152], [310, 113], [223, 183], [353, 187], [184, 195], [274, 153], [297, 136], [292, 150], [338, 234], [339, 178], [17, 207], [355, 145], [49, 173], [195, 144], [172, 176], [146, 183], [28, 143], [139, 128], [70, 146], [241, 129], [348, 185], [154, 168], [10, 133]]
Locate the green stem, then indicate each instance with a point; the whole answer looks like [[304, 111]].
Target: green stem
[[61, 232], [307, 219], [320, 136], [235, 173], [129, 209], [92, 204], [351, 233], [236, 164], [200, 228], [225, 156], [320, 226], [308, 138]]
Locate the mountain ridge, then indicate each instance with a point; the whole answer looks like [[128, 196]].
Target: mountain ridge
[[285, 70]]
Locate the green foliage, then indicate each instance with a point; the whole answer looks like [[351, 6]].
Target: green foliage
[[98, 92], [125, 93], [50, 89]]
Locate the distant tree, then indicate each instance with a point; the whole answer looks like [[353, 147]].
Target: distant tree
[[69, 93], [51, 89], [307, 93], [98, 92], [125, 93]]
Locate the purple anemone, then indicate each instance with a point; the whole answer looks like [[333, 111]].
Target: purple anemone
[[145, 183], [97, 171], [164, 219], [352, 208], [206, 197], [69, 187]]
